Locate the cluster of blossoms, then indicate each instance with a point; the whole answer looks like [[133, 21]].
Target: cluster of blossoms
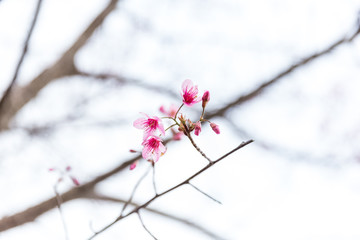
[[153, 147]]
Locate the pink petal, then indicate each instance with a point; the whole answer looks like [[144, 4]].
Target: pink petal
[[187, 84]]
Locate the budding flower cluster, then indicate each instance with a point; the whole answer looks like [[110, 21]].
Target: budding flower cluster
[[153, 127]]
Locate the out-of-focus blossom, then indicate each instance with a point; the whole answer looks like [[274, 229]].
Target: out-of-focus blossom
[[169, 112]]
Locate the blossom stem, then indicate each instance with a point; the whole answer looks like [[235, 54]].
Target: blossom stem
[[171, 126], [178, 111], [188, 134]]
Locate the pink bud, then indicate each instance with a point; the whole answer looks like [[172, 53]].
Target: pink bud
[[197, 128], [215, 128], [133, 165], [133, 151], [205, 98], [51, 169], [75, 181], [68, 168]]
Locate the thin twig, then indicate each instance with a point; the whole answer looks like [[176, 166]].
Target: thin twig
[[243, 144], [133, 191], [204, 193], [188, 223], [22, 56], [146, 229], [153, 178], [59, 202]]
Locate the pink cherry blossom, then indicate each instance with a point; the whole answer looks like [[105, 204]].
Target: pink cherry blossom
[[153, 148], [197, 128], [205, 98], [150, 125], [189, 93], [215, 128]]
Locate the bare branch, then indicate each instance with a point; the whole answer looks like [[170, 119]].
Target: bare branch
[[133, 192], [146, 229], [243, 144], [128, 81], [167, 215], [258, 90], [22, 57], [204, 193], [63, 67]]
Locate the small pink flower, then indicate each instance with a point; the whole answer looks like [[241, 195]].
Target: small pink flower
[[197, 128], [215, 128], [150, 125], [170, 112], [153, 148], [189, 93], [205, 98]]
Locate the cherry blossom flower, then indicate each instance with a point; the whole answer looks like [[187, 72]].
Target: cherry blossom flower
[[197, 128], [153, 148], [150, 125], [215, 128], [205, 98], [189, 93]]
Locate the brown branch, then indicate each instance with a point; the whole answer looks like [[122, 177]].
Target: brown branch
[[137, 209], [32, 213], [63, 67], [258, 90], [82, 191], [22, 57]]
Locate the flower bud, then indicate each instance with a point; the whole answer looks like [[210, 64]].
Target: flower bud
[[205, 98], [197, 128], [215, 128]]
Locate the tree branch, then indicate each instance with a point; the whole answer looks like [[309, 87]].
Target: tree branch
[[63, 67], [22, 57], [137, 209], [258, 90]]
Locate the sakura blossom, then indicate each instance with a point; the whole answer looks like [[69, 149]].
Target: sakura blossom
[[189, 93], [153, 148], [150, 125]]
